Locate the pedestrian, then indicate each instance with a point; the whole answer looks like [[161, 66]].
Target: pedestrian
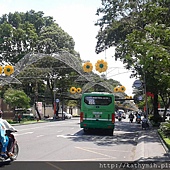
[[19, 118], [1, 113]]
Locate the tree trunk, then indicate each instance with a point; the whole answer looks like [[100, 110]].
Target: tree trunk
[[39, 116], [157, 117]]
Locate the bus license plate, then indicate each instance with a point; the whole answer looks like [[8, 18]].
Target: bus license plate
[[97, 116]]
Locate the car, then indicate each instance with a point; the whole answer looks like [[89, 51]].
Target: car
[[66, 115]]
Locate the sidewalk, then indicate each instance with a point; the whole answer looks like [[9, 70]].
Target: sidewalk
[[150, 147]]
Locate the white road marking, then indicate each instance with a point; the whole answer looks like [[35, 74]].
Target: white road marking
[[108, 150], [66, 136], [40, 136], [87, 150], [44, 126], [23, 133]]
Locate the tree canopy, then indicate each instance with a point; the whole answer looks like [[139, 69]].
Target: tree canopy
[[17, 98], [21, 33], [140, 31]]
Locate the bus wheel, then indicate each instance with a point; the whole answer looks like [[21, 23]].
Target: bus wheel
[[85, 130], [110, 131]]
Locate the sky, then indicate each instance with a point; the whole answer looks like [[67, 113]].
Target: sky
[[77, 18]]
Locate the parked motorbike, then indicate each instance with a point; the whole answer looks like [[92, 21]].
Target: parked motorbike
[[145, 125], [11, 148]]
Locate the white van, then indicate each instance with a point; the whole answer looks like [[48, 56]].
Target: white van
[[161, 111]]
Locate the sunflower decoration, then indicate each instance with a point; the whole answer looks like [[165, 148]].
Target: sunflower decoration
[[116, 89], [130, 97], [87, 67], [122, 89], [8, 70], [1, 69], [79, 90], [101, 66], [73, 90]]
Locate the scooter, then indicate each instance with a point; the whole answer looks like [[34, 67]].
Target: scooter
[[145, 125], [11, 148], [138, 120], [119, 118], [131, 120]]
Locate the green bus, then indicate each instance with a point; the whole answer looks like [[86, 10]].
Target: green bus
[[97, 111]]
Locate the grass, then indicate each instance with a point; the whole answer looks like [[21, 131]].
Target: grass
[[24, 121], [166, 139]]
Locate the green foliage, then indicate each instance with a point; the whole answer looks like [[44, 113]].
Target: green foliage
[[155, 120], [21, 33], [165, 128], [16, 98], [165, 138], [140, 31]]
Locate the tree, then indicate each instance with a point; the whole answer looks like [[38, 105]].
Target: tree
[[16, 98], [21, 33], [141, 39]]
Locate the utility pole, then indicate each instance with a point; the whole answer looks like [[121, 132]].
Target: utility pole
[[146, 100]]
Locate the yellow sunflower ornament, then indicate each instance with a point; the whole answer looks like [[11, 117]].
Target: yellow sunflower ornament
[[122, 89], [1, 69], [73, 90], [87, 67], [79, 90], [8, 70], [116, 89], [101, 66]]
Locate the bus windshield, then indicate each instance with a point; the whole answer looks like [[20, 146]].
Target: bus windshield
[[97, 100]]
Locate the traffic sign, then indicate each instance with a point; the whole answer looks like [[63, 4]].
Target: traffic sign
[[137, 83], [57, 100], [140, 98]]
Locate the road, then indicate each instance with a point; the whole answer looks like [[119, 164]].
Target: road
[[65, 141]]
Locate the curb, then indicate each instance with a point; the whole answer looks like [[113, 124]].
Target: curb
[[45, 121], [163, 144]]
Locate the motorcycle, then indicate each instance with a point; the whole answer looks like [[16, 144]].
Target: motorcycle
[[138, 120], [131, 120], [119, 118], [12, 148], [145, 125]]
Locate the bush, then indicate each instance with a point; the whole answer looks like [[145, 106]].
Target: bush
[[9, 121], [155, 120], [165, 128]]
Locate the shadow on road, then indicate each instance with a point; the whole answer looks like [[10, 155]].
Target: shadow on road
[[125, 133]]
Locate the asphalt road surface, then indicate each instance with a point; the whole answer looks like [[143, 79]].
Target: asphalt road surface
[[66, 141]]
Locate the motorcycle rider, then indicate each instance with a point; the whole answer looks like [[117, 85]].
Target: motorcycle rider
[[6, 141], [145, 122], [131, 117], [119, 115], [138, 117]]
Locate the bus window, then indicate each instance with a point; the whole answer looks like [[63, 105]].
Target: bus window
[[97, 100]]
